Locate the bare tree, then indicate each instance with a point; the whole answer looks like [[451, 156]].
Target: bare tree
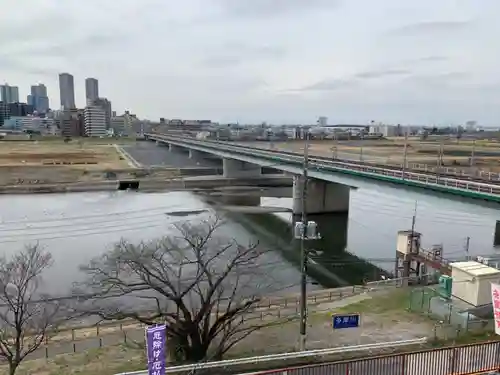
[[197, 282], [25, 313]]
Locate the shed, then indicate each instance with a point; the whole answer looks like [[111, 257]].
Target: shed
[[472, 282]]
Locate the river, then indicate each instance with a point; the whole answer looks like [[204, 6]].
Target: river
[[79, 226], [377, 213], [76, 227]]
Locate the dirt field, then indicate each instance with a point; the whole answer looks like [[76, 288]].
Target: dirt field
[[391, 152], [56, 161]]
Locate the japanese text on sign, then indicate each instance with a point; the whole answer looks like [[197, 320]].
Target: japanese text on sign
[[155, 347], [346, 321], [495, 299]]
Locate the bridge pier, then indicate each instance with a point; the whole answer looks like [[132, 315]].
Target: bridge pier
[[236, 168], [195, 154], [322, 197]]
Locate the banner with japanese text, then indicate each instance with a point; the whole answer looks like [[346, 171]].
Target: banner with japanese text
[[155, 349], [495, 300]]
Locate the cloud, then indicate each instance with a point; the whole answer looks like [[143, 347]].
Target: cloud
[[429, 27], [272, 8], [355, 80], [382, 73], [232, 54]]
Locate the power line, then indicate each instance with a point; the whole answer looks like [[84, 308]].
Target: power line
[[107, 215]]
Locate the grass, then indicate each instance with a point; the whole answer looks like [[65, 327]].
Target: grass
[[395, 301], [124, 357], [105, 361]]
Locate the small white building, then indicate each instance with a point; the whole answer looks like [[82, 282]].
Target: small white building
[[385, 130], [95, 121], [472, 282]]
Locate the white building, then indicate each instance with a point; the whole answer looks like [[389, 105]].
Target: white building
[[118, 125], [95, 121], [323, 121], [35, 124], [385, 130]]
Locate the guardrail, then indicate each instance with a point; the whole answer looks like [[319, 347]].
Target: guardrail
[[232, 363], [459, 360], [342, 166]]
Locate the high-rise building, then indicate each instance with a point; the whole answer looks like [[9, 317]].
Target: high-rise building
[[9, 94], [91, 89], [67, 90], [95, 121], [20, 109], [4, 112], [105, 104], [38, 98]]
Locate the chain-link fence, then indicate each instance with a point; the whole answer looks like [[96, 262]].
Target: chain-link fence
[[452, 321]]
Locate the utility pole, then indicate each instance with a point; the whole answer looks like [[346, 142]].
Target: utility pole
[[467, 244], [405, 155], [439, 158], [473, 151], [303, 250]]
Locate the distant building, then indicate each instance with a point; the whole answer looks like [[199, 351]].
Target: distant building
[[67, 91], [71, 123], [20, 109], [95, 121], [118, 125], [384, 130], [31, 124], [38, 98], [9, 94], [4, 112], [323, 121], [91, 89], [105, 104]]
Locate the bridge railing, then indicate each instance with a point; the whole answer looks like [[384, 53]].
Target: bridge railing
[[340, 166], [455, 171]]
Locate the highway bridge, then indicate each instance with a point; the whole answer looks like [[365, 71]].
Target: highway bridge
[[331, 180]]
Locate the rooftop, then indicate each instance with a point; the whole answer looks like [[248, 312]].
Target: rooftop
[[475, 268]]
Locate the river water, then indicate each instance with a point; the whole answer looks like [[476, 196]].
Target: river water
[[79, 226], [76, 227]]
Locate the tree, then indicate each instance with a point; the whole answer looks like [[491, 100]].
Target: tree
[[199, 283], [26, 314]]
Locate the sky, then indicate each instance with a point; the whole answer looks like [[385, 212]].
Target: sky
[[280, 61]]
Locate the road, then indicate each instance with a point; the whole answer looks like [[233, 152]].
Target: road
[[149, 154]]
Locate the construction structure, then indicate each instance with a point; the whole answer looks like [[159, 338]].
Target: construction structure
[[414, 262]]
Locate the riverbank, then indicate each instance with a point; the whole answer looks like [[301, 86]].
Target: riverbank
[[384, 319]]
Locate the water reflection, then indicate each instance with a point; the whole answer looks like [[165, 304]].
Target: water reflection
[[76, 227]]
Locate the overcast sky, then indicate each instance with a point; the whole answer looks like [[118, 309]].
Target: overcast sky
[[401, 61]]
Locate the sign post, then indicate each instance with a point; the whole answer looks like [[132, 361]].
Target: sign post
[[495, 299], [155, 349], [346, 321]]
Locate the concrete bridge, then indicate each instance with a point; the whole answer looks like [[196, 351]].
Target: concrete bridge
[[331, 180]]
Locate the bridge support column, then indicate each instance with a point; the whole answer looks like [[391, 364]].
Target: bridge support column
[[172, 147], [236, 168], [195, 154], [322, 197]]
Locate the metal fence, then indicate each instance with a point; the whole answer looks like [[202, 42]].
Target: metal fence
[[459, 360], [462, 360], [451, 321]]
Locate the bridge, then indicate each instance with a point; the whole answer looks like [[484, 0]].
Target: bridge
[[331, 180]]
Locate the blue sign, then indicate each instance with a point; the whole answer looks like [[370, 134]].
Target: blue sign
[[346, 321]]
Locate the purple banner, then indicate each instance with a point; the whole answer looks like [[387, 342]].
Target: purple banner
[[155, 349]]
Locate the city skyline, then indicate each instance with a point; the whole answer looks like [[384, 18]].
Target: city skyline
[[281, 62]]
